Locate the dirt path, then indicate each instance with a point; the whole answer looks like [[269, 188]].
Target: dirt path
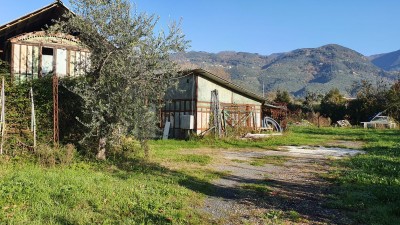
[[288, 190]]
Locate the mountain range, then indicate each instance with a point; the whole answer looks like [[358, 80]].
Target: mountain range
[[388, 61], [299, 71]]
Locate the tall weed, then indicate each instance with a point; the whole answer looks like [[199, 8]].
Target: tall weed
[[50, 156]]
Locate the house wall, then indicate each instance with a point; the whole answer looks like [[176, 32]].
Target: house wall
[[179, 101], [38, 54]]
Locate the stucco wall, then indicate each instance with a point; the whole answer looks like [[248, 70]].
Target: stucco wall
[[227, 96], [204, 91], [185, 89]]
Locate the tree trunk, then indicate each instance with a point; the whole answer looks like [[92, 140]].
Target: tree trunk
[[101, 153]]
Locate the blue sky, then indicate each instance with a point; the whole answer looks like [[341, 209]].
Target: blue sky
[[267, 26]]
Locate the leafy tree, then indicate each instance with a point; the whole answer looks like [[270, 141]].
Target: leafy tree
[[333, 105], [393, 100], [371, 99], [130, 68], [311, 101], [282, 97]]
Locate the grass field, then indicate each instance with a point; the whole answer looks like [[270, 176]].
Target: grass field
[[168, 187], [369, 185]]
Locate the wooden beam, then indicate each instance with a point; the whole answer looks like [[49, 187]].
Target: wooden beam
[[12, 63]]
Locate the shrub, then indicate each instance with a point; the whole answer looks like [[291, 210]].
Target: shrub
[[125, 147], [50, 156], [46, 155]]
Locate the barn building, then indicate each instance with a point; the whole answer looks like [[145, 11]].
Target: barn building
[[32, 53], [189, 106]]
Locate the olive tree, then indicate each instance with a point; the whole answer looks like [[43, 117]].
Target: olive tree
[[393, 100], [129, 70]]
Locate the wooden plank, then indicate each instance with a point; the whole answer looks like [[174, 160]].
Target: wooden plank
[[72, 67], [68, 63], [35, 61], [40, 72], [50, 45], [29, 62], [61, 62], [23, 59], [166, 130], [78, 63], [15, 59]]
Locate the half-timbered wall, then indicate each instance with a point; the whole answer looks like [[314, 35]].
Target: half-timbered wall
[[39, 54], [179, 101], [173, 112], [192, 96]]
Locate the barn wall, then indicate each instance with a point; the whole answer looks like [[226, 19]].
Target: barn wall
[[242, 100], [185, 89], [229, 99], [205, 88], [186, 100], [179, 101]]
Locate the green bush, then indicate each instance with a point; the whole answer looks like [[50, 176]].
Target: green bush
[[126, 147]]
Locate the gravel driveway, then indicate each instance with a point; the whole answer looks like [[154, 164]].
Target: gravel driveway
[[289, 192]]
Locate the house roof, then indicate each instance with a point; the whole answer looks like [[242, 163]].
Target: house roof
[[34, 21], [52, 8], [226, 83]]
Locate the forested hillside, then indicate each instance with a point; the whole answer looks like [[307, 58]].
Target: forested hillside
[[299, 71]]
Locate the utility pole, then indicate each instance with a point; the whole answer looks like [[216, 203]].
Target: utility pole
[[55, 110], [263, 90], [33, 119]]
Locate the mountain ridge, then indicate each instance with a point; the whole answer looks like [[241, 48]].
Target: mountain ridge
[[388, 61], [298, 71]]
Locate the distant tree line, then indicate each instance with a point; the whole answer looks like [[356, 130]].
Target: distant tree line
[[370, 100]]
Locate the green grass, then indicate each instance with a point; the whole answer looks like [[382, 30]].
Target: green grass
[[281, 217], [192, 158], [370, 184], [277, 160], [169, 187], [260, 188], [295, 136], [294, 216], [90, 193], [239, 160]]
